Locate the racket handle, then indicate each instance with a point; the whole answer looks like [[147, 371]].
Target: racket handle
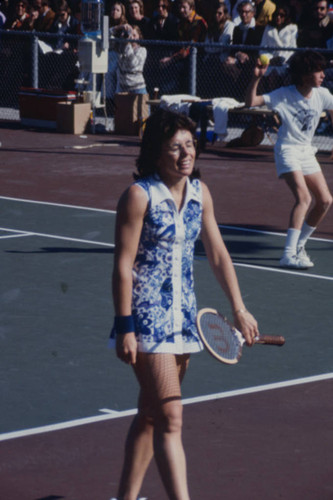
[[271, 339]]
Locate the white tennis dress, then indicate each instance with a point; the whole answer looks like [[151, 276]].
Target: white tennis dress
[[164, 304]]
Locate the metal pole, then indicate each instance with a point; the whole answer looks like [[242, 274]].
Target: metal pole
[[193, 71], [34, 62], [93, 122]]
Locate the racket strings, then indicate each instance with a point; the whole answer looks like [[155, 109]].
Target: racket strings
[[220, 336]]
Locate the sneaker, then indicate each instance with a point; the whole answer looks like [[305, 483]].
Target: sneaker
[[304, 258], [292, 262]]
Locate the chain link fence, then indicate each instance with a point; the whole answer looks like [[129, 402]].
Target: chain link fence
[[209, 71]]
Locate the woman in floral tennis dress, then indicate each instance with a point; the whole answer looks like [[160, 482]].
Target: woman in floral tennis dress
[[159, 218]]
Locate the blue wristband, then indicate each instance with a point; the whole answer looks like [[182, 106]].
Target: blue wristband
[[124, 324]]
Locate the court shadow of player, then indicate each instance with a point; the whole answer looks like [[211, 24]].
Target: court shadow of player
[[66, 250], [50, 497]]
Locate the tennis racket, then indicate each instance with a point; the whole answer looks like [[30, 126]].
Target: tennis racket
[[223, 340]]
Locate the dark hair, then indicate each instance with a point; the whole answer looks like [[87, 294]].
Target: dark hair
[[304, 63], [161, 126], [166, 2], [287, 11], [215, 28]]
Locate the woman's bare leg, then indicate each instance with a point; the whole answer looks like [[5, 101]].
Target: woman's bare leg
[[157, 427]]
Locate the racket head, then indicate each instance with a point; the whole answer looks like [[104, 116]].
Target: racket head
[[222, 340]]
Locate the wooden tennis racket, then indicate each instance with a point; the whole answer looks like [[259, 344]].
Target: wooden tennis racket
[[223, 340]]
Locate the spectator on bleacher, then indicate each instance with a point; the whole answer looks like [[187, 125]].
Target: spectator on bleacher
[[191, 28], [5, 8], [282, 33], [117, 14], [220, 30], [65, 24], [132, 58], [19, 21], [136, 16], [264, 11], [207, 9], [42, 16], [163, 25], [246, 33], [59, 60], [2, 20], [117, 17], [238, 66], [319, 28]]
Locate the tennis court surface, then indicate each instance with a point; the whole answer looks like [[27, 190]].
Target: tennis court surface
[[261, 429]]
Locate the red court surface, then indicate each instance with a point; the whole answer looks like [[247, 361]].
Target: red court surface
[[47, 167], [272, 442]]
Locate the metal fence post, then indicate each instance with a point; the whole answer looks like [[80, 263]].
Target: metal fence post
[[34, 62], [193, 71]]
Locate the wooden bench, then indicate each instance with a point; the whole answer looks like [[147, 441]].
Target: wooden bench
[[261, 111]]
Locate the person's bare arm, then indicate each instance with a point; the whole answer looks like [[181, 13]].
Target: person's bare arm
[[251, 97], [130, 213], [221, 263]]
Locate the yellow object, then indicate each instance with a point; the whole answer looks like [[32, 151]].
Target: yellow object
[[264, 59]]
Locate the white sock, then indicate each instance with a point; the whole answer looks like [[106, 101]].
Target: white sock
[[290, 248], [306, 232]]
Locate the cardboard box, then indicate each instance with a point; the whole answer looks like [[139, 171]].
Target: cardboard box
[[73, 118], [130, 112], [38, 107]]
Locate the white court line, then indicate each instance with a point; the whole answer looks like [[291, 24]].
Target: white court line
[[223, 226], [112, 414], [270, 233], [57, 204], [112, 245], [57, 237], [284, 271], [7, 236]]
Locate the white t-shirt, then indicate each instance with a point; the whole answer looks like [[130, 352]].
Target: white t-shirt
[[299, 116]]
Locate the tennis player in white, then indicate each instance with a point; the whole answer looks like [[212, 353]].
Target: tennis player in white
[[299, 106]]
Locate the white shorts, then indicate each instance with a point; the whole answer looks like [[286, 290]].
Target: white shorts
[[292, 158]]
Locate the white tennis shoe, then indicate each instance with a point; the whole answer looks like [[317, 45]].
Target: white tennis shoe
[[304, 257], [293, 262]]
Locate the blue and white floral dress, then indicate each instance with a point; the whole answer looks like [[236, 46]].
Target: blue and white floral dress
[[164, 304]]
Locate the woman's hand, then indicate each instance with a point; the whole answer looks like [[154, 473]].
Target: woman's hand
[[126, 347], [247, 324]]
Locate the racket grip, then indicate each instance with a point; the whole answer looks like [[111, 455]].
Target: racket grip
[[271, 339]]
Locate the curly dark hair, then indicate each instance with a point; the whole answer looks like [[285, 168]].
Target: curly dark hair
[[304, 63], [160, 127]]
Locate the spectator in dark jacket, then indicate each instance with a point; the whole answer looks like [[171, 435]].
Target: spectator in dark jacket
[[239, 65], [319, 28], [163, 25], [42, 16]]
